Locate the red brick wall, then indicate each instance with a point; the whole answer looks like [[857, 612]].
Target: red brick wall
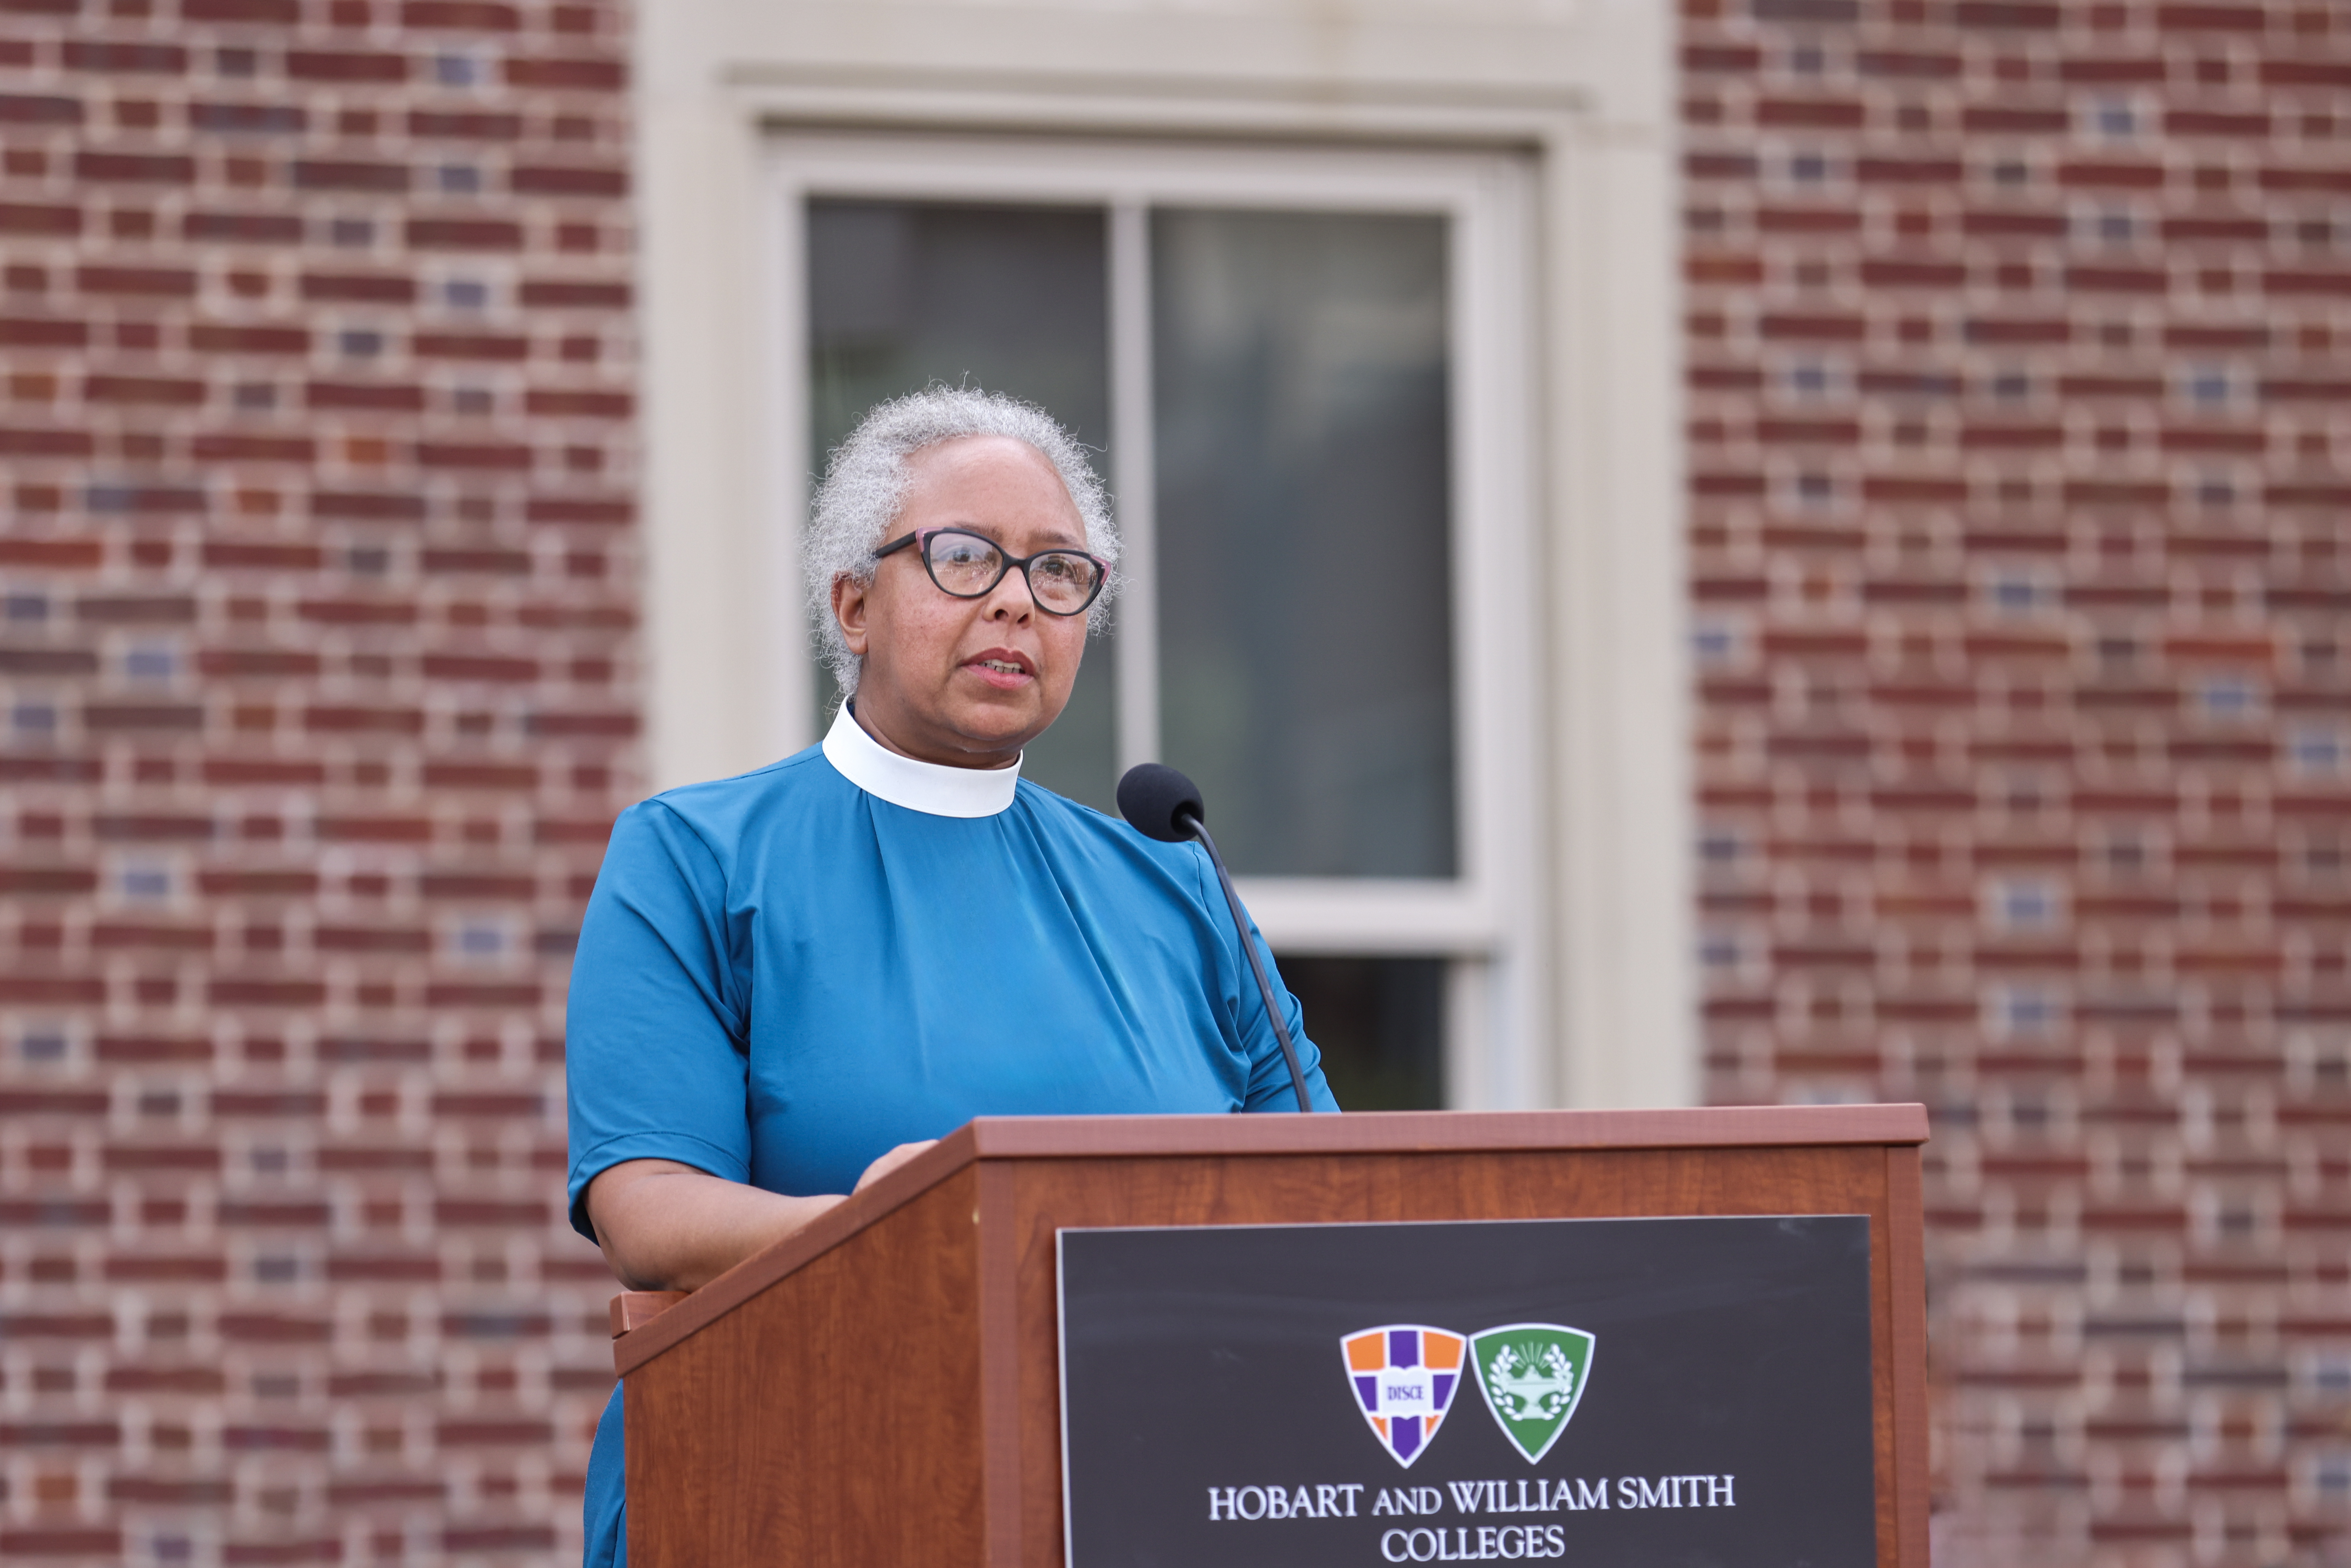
[[2020, 346], [2017, 344], [316, 610]]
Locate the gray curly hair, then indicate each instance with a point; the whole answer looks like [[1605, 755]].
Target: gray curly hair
[[865, 484]]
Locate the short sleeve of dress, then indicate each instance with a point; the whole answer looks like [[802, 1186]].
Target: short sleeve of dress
[[654, 1033]]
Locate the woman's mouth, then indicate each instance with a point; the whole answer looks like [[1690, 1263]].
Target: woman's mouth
[[1001, 668]]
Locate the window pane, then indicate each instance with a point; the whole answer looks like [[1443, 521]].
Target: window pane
[[1298, 363], [1013, 300], [1380, 1025]]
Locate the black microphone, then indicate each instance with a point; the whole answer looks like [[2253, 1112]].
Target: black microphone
[[1160, 803]]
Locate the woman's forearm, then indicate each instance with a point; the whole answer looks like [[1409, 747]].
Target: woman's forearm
[[667, 1227]]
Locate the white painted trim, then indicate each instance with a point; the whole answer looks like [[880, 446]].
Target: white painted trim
[[786, 706], [1471, 1070], [1620, 740], [699, 261], [1135, 481], [1400, 919]]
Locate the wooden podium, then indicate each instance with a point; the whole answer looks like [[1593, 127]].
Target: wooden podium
[[883, 1387]]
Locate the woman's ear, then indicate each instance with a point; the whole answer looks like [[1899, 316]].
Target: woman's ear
[[848, 602]]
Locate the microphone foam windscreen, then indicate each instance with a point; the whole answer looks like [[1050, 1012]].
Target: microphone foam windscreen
[[1153, 796]]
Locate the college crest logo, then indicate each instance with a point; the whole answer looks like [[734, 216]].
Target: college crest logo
[[1404, 1376], [1532, 1377]]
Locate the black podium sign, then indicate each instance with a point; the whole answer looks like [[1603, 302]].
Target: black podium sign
[[1604, 1392]]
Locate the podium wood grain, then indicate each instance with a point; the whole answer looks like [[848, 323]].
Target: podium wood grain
[[884, 1387], [737, 1438]]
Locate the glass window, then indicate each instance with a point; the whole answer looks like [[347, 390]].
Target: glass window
[[1305, 630], [1010, 299], [1298, 427], [1380, 1025]]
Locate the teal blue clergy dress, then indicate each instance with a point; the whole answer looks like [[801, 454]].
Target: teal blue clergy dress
[[783, 976]]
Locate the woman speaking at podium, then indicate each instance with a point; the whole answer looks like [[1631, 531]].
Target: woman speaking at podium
[[787, 982]]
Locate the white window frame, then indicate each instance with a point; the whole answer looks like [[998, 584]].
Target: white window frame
[[1599, 998], [1470, 919]]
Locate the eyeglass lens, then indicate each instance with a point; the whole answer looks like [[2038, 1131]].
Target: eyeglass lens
[[967, 566]]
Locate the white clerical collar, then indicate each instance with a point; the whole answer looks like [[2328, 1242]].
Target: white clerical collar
[[930, 787]]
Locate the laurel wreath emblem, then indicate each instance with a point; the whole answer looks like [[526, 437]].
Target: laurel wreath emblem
[[1524, 1390]]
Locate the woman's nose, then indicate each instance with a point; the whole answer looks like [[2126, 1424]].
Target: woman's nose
[[1012, 596]]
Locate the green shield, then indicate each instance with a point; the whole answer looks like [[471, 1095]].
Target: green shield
[[1532, 1377]]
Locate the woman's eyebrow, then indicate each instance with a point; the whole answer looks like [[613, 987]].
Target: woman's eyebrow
[[1056, 540]]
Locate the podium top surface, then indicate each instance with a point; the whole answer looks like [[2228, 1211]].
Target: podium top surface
[[1017, 1138], [1431, 1131]]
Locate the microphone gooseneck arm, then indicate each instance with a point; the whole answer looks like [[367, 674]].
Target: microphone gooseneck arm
[[1191, 822]]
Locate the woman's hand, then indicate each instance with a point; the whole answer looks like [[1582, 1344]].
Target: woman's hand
[[890, 1162], [665, 1225]]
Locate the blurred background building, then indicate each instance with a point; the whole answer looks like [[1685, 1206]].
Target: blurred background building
[[1791, 551]]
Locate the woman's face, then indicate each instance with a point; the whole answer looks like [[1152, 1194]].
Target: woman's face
[[966, 682]]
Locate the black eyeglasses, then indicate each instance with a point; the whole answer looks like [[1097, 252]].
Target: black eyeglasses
[[968, 565]]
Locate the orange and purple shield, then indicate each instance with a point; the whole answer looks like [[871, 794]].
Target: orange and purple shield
[[1404, 1376]]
